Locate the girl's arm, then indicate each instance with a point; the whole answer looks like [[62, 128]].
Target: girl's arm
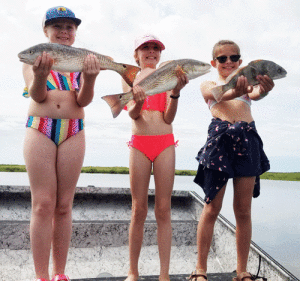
[[91, 69], [36, 77], [242, 87], [265, 85], [135, 106], [172, 103]]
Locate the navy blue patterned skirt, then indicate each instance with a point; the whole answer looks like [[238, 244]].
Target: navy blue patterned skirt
[[231, 150]]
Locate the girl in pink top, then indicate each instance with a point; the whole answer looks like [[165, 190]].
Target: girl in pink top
[[152, 146]]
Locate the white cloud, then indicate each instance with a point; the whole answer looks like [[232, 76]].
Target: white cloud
[[263, 29]]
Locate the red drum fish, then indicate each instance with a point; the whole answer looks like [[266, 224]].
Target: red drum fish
[[161, 80], [71, 59], [254, 68]]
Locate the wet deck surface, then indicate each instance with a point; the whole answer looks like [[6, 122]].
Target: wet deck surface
[[211, 277]]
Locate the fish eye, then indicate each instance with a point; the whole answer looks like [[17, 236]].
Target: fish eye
[[279, 70], [124, 65]]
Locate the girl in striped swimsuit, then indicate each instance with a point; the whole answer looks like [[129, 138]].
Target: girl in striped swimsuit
[[55, 144]]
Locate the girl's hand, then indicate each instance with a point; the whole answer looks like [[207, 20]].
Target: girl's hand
[[266, 84], [182, 80], [139, 95], [42, 65], [91, 67], [242, 87]]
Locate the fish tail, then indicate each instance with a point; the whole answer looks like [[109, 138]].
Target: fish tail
[[117, 102], [217, 92], [130, 73]]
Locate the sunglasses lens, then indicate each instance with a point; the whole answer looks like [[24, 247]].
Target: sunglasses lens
[[235, 58], [222, 59]]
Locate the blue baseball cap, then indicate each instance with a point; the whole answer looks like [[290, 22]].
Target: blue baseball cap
[[59, 12]]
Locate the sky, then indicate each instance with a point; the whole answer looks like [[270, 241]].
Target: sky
[[263, 29]]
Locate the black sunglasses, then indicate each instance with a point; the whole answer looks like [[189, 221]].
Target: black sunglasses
[[223, 59]]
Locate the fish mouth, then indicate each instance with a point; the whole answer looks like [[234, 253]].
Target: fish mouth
[[21, 58], [279, 76]]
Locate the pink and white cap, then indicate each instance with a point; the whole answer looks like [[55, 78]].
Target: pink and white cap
[[139, 41]]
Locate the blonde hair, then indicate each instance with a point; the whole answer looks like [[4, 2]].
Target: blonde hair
[[222, 43]]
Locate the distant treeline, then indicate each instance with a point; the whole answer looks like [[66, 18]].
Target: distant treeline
[[125, 170]]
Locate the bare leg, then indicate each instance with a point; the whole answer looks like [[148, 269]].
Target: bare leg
[[206, 228], [164, 170], [243, 191], [40, 159], [140, 171], [69, 162]]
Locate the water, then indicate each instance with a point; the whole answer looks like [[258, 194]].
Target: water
[[275, 213]]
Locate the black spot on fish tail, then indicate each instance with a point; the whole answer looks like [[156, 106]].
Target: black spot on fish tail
[[124, 65]]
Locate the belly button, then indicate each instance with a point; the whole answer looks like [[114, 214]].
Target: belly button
[[58, 106]]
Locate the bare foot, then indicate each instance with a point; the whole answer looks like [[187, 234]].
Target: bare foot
[[132, 277], [164, 278]]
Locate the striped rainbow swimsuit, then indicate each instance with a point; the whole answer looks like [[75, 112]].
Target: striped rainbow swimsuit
[[58, 130], [58, 81]]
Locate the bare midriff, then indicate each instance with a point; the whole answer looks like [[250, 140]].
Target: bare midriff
[[58, 105], [232, 111], [151, 123]]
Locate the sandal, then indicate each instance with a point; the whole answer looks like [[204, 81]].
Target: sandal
[[244, 275], [61, 277], [196, 274]]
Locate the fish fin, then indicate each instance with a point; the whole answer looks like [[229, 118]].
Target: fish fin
[[254, 62], [179, 69], [130, 73], [217, 93], [117, 102], [233, 74], [110, 58], [254, 71], [164, 63]]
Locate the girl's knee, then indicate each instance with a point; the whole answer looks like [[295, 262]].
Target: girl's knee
[[63, 209], [44, 208], [162, 213], [139, 212], [242, 212], [211, 211]]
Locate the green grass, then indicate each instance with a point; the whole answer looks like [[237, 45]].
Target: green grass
[[12, 168], [125, 170], [281, 176]]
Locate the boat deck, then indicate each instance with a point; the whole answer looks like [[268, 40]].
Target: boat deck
[[99, 243], [211, 277]]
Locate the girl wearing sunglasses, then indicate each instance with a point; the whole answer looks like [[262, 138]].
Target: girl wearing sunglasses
[[233, 150]]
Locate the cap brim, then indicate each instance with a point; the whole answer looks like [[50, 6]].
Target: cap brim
[[75, 20], [160, 44]]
